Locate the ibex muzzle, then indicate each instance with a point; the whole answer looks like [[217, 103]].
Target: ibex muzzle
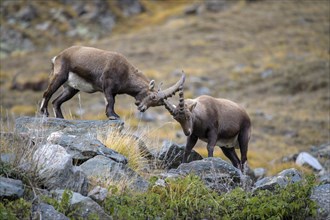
[[92, 70], [219, 122]]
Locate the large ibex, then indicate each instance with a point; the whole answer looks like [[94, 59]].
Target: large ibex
[[92, 70], [219, 122]]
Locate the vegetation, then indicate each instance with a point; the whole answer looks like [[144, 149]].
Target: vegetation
[[63, 205], [17, 209], [188, 198]]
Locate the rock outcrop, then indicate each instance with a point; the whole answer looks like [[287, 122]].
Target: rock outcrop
[[216, 173]]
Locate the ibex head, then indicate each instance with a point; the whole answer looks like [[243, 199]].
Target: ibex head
[[183, 112], [156, 98]]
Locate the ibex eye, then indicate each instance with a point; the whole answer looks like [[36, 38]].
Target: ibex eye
[[153, 96]]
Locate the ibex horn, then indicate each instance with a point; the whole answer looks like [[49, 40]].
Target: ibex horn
[[173, 89], [181, 100], [170, 107]]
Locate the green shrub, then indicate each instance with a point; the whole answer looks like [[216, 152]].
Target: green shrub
[[64, 205], [189, 198], [17, 209]]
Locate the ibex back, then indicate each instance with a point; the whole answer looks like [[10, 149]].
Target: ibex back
[[219, 122], [92, 70]]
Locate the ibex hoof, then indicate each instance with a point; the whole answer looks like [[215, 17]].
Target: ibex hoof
[[113, 118]]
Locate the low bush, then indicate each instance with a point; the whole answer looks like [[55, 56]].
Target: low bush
[[189, 198]]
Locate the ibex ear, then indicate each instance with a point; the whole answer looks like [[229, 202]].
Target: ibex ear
[[151, 84], [192, 106]]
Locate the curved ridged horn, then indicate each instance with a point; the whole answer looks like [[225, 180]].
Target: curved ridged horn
[[181, 100], [151, 84], [171, 108], [173, 89]]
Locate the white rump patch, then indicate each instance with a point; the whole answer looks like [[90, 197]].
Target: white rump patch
[[79, 83]]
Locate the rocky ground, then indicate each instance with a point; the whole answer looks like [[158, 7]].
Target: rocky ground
[[60, 155], [272, 57]]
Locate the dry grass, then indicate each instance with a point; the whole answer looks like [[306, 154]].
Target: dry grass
[[127, 144]]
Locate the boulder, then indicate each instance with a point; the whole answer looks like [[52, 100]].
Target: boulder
[[305, 158], [107, 171], [259, 173], [171, 155], [216, 173], [55, 169], [321, 195], [11, 188], [130, 7], [42, 127], [322, 151], [216, 5], [98, 194], [8, 158], [47, 212], [282, 179], [83, 207], [83, 147]]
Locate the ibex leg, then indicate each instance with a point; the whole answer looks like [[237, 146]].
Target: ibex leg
[[243, 140], [110, 111], [67, 94], [59, 78], [212, 140], [191, 141], [232, 156]]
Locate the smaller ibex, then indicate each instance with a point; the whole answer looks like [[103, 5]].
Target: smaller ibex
[[92, 70], [219, 122]]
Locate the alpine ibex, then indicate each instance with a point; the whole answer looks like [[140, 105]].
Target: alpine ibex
[[218, 122], [92, 70]]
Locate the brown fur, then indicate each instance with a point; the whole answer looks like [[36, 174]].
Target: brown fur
[[216, 121], [93, 70]]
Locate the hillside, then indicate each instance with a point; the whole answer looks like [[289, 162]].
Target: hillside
[[272, 57]]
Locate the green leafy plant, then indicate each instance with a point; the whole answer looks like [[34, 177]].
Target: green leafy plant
[[17, 209], [64, 205], [189, 198]]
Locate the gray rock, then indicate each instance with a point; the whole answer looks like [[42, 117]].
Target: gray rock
[[282, 179], [47, 212], [216, 5], [27, 13], [193, 9], [259, 173], [130, 7], [160, 182], [83, 207], [11, 188], [8, 158], [98, 194], [321, 195], [107, 171], [216, 173], [322, 151], [55, 169], [324, 178], [43, 127], [83, 147], [305, 158], [171, 155], [202, 91]]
